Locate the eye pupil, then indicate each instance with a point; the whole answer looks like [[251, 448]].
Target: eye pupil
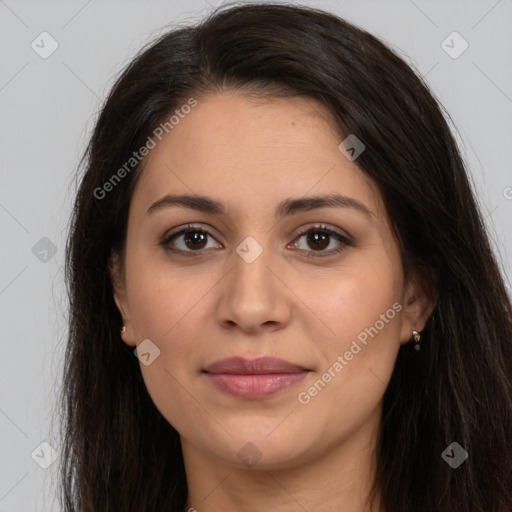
[[196, 238]]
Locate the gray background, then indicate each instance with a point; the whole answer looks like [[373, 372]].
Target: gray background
[[48, 107]]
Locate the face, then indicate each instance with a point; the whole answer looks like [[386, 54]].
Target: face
[[259, 274]]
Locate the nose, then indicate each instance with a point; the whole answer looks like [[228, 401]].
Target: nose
[[253, 297]]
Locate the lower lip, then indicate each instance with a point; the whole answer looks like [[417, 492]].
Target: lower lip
[[254, 386]]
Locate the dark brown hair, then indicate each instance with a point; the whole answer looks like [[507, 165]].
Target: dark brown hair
[[119, 453]]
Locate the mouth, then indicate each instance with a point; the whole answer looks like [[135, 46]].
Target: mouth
[[253, 379]]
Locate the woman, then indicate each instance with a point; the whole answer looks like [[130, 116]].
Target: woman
[[275, 219]]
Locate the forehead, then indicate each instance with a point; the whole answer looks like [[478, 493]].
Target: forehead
[[254, 152]]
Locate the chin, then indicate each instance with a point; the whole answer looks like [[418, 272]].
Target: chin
[[259, 451]]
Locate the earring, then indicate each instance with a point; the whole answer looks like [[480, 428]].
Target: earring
[[123, 329], [417, 337]]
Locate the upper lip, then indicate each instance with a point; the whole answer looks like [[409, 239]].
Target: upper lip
[[260, 365]]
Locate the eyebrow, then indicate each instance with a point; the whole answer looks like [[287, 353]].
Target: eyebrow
[[287, 207]]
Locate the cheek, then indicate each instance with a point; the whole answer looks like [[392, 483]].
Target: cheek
[[164, 310], [363, 312], [168, 307], [161, 296], [356, 300]]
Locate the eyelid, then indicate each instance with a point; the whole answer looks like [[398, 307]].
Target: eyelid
[[324, 227], [188, 227]]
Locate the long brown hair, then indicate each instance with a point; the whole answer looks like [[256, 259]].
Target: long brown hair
[[119, 453]]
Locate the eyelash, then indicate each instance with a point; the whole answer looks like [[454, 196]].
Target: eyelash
[[320, 228]]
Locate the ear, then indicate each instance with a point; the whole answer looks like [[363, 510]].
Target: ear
[[418, 303], [116, 272]]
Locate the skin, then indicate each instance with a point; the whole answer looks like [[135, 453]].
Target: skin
[[251, 155]]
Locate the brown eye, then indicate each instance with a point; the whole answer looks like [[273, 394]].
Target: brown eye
[[318, 239], [187, 241], [195, 239]]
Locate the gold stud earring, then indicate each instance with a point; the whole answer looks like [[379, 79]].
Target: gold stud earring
[[417, 337]]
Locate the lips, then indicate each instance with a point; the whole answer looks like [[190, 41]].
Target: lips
[[259, 366], [256, 378]]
